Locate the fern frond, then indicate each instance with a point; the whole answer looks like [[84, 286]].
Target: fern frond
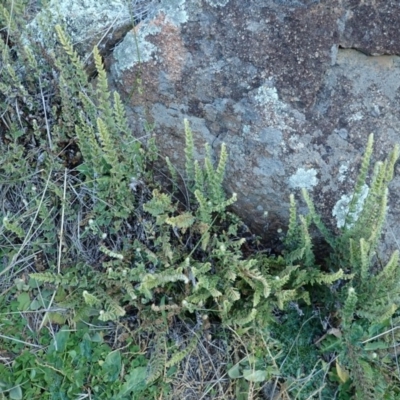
[[173, 172], [158, 360], [189, 153], [182, 221], [112, 311], [90, 299], [103, 93], [49, 277], [79, 67], [246, 319], [199, 178], [309, 259], [159, 204], [109, 149], [151, 281], [317, 220], [180, 355], [205, 208], [110, 253], [349, 220], [349, 308]]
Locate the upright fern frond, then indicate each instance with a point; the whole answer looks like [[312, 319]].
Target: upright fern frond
[[349, 221], [199, 178], [79, 67], [103, 94], [317, 220], [158, 359], [109, 147], [189, 153]]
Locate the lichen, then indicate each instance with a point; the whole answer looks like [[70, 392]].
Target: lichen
[[341, 209], [304, 178], [134, 49], [217, 3]]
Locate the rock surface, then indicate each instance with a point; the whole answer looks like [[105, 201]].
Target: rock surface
[[89, 23], [294, 87]]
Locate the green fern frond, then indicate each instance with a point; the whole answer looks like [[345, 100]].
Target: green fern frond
[[90, 299], [110, 253], [113, 311], [391, 161], [173, 173], [180, 355], [151, 281], [361, 180], [309, 259], [159, 204], [205, 207], [14, 228], [232, 294], [365, 259], [158, 360], [182, 221], [103, 93], [329, 279], [241, 321], [109, 147], [189, 153], [50, 277], [317, 220], [349, 308], [390, 269], [78, 65], [199, 178]]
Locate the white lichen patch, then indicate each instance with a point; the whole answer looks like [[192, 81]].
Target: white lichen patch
[[342, 173], [341, 209], [134, 49], [217, 3], [175, 11], [304, 178], [295, 143], [358, 116], [267, 94]]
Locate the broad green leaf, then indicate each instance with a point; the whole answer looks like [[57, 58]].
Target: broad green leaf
[[16, 393], [254, 375], [234, 372], [112, 365], [59, 343], [24, 301], [135, 381], [376, 346], [342, 373], [35, 305]]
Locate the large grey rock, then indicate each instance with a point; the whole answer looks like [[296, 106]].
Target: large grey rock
[[88, 23], [293, 87]]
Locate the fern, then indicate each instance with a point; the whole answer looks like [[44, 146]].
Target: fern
[[189, 153], [158, 359], [180, 355]]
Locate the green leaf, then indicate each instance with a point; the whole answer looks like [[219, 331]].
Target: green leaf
[[135, 381], [254, 375], [59, 343], [234, 372], [16, 393], [112, 365], [24, 301], [35, 305], [376, 346]]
